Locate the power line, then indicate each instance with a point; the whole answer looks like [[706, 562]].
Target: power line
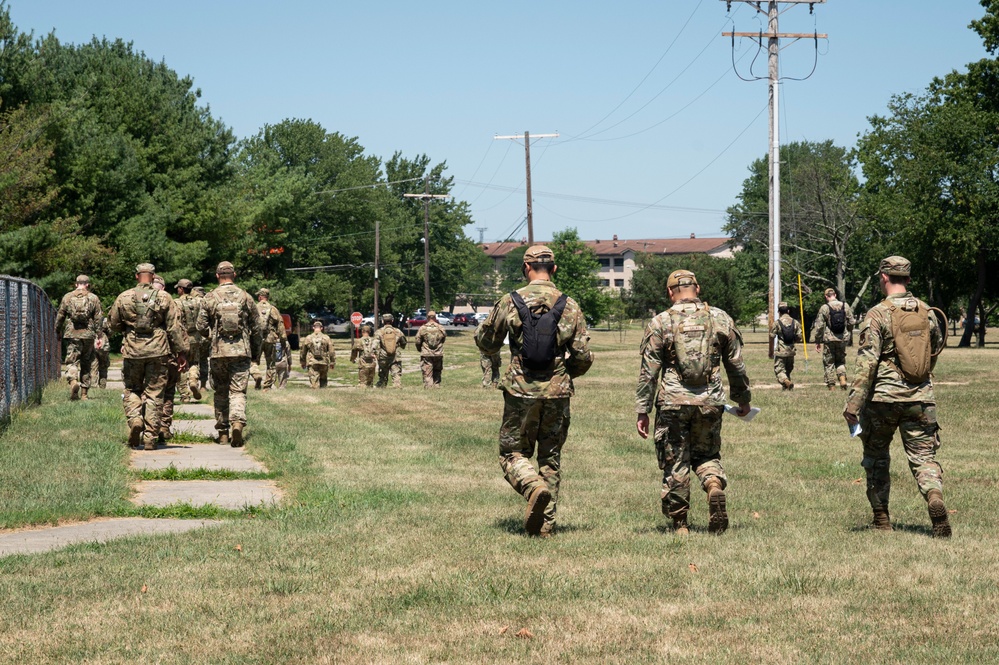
[[371, 186]]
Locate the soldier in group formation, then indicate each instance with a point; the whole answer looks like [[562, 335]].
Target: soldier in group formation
[[205, 351], [389, 341], [272, 335], [78, 322], [282, 364], [831, 333], [786, 332], [102, 354], [364, 352], [430, 343], [318, 356], [189, 381]]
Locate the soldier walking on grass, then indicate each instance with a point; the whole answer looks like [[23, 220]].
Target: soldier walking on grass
[[77, 322], [900, 339], [682, 351], [832, 330], [388, 341], [230, 315], [549, 347], [271, 334], [318, 355], [282, 364], [430, 343], [364, 352], [152, 334], [787, 331]]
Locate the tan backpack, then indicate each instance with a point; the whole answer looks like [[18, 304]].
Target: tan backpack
[[693, 345], [389, 340], [910, 329]]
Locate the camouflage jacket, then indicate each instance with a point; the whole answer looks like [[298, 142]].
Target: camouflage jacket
[[243, 344], [400, 342], [430, 340], [271, 323], [190, 308], [822, 333], [150, 321], [317, 349], [572, 353], [782, 350], [877, 377], [102, 334], [364, 350], [79, 320], [659, 380]]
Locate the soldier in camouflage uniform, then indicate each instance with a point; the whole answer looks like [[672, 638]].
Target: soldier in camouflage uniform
[[173, 377], [102, 354], [683, 350], [430, 343], [152, 334], [389, 340], [77, 322], [883, 398], [271, 334], [536, 401], [230, 315], [282, 364], [829, 342], [189, 381], [317, 355], [364, 352], [205, 352], [787, 333]]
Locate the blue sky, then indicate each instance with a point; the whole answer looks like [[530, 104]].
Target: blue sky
[[643, 94]]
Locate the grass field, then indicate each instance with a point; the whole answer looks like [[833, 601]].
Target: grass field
[[400, 542]]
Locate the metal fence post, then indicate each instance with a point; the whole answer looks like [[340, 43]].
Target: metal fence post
[[29, 347]]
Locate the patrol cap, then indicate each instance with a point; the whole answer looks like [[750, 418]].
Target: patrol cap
[[145, 267], [431, 314], [895, 265], [387, 318], [225, 268], [317, 324], [265, 292], [82, 279], [159, 280], [367, 327], [184, 284], [829, 293], [200, 290], [539, 254], [782, 305], [681, 278]]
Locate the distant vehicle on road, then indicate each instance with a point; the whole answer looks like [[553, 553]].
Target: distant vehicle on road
[[416, 321], [463, 320], [443, 318], [479, 317]]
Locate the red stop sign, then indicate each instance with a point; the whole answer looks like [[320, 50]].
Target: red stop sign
[[356, 318]]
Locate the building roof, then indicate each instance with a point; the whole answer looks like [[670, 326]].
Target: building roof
[[614, 246]]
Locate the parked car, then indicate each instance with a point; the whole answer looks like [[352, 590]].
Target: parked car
[[443, 318], [463, 320], [416, 321], [479, 317]]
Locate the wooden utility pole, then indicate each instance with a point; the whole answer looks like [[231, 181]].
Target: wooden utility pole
[[427, 198], [773, 37], [527, 157], [377, 258]]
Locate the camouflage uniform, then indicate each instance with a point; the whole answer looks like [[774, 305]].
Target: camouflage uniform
[[271, 334], [190, 378], [152, 334], [365, 353], [833, 345], [783, 352], [99, 374], [536, 402], [77, 321], [430, 343], [389, 364], [231, 351], [884, 402], [282, 364], [205, 350], [689, 416], [318, 355]]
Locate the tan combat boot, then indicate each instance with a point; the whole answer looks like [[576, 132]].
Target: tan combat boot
[[223, 437], [882, 521], [149, 443], [135, 433], [680, 526], [534, 518], [257, 382], [832, 387], [102, 384], [842, 382], [237, 435], [195, 390], [74, 390], [83, 394], [938, 514], [717, 517]]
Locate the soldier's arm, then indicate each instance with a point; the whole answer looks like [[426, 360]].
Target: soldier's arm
[[936, 339], [96, 317], [176, 333], [735, 367], [332, 353], [580, 357], [303, 352], [61, 317], [819, 326], [489, 337], [402, 338], [204, 317], [115, 321], [253, 320], [651, 351], [798, 333], [418, 340], [868, 355]]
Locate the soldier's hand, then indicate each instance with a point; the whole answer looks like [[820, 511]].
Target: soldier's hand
[[851, 418], [99, 344], [743, 410], [642, 423], [818, 348], [181, 362]]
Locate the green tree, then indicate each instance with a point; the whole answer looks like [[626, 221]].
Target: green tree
[[719, 279], [577, 275]]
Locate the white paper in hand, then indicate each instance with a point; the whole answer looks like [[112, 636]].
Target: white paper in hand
[[855, 429], [733, 410]]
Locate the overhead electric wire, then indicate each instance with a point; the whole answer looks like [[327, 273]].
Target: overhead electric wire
[[371, 186], [493, 176], [481, 162]]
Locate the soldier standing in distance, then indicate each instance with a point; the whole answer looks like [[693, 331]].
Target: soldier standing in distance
[[189, 382], [230, 315], [364, 352], [893, 390], [152, 333], [388, 341], [317, 355], [787, 331], [77, 322], [430, 340], [271, 334], [282, 364], [682, 351], [536, 393], [832, 329]]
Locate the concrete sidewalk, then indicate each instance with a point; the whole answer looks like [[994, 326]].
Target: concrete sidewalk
[[33, 541]]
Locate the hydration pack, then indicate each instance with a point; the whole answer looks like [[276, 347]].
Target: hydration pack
[[389, 340], [434, 339], [318, 348], [539, 333], [910, 329], [230, 317], [144, 299], [189, 307], [787, 333], [79, 310], [693, 345], [837, 319]]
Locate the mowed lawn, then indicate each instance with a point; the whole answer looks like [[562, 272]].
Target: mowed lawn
[[400, 542]]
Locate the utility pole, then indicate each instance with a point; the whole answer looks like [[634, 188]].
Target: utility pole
[[427, 198], [527, 157], [378, 247], [773, 36]]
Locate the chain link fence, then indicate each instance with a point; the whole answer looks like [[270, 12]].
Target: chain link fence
[[29, 346]]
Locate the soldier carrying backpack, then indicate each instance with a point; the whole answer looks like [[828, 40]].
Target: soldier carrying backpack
[[787, 333], [77, 322], [430, 343], [389, 341], [831, 332]]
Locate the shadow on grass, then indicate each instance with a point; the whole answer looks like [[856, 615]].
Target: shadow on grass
[[515, 526], [919, 529]]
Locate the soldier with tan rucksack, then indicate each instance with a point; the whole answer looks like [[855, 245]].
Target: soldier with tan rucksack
[[430, 343], [389, 340]]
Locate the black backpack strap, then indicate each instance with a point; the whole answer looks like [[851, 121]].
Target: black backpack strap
[[521, 307]]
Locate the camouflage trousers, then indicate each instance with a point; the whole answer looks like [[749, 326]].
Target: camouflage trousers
[[528, 424], [192, 375], [266, 355], [99, 371], [204, 356], [391, 366], [230, 376], [431, 367], [282, 369], [490, 369], [79, 360], [917, 423], [688, 437], [366, 373], [318, 374], [145, 380], [834, 361], [169, 393], [783, 368]]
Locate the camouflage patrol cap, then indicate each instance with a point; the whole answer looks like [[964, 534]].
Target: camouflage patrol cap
[[829, 293], [367, 328], [225, 268], [199, 290], [184, 284], [387, 318], [539, 254], [82, 279], [159, 280], [898, 266], [431, 314], [317, 324], [265, 292], [145, 267], [782, 305], [681, 278]]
